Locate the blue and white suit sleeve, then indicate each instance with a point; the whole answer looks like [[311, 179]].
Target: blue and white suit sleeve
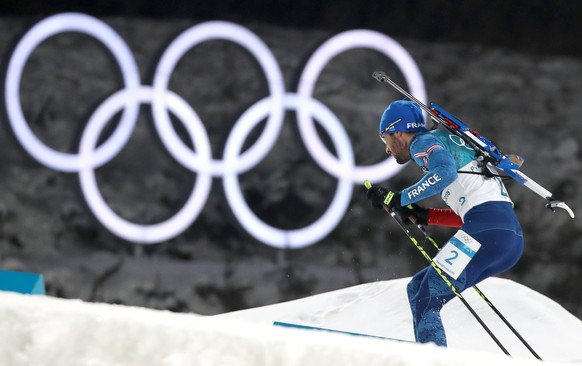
[[438, 164]]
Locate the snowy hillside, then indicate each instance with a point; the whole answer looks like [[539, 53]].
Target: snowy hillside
[[381, 309], [48, 331]]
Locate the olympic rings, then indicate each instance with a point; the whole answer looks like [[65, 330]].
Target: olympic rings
[[41, 31], [457, 140], [314, 232], [199, 159], [313, 68], [145, 234], [243, 37]]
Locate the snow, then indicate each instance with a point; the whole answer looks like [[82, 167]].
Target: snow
[[41, 330]]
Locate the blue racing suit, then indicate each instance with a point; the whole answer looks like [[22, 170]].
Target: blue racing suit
[[487, 214]]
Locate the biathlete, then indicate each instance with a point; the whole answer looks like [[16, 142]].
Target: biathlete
[[479, 206]]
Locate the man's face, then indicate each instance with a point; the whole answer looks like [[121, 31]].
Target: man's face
[[397, 146]]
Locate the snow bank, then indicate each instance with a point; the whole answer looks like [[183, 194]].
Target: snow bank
[[381, 309], [39, 330]]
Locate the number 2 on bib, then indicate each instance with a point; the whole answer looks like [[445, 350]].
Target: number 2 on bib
[[450, 260], [456, 254]]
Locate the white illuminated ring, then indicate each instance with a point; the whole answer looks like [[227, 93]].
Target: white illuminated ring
[[290, 239], [198, 159], [340, 43], [249, 41], [70, 22], [143, 234]]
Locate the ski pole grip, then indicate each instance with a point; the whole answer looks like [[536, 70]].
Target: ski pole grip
[[367, 184]]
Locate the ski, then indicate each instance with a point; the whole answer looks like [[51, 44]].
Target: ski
[[489, 155], [308, 327]]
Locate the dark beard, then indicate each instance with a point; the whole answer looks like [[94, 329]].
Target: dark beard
[[402, 160]]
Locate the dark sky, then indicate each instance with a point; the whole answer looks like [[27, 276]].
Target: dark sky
[[541, 26]]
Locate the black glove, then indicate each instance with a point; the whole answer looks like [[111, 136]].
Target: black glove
[[413, 214], [380, 196]]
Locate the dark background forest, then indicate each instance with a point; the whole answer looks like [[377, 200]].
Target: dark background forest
[[534, 25]]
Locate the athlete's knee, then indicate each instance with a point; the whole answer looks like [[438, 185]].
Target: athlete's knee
[[412, 289]]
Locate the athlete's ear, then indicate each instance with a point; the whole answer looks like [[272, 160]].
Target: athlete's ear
[[406, 135]]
